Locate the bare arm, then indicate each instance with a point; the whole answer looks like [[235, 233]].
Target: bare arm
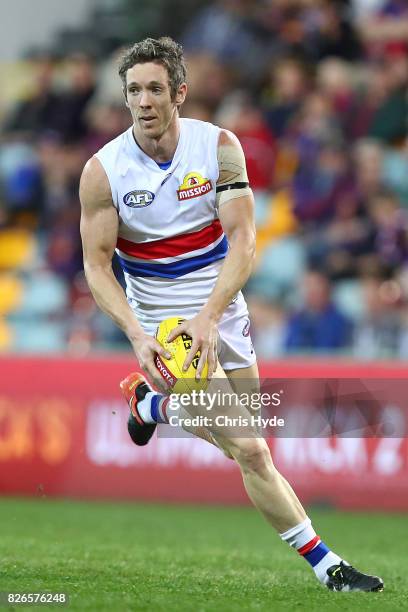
[[99, 231], [236, 213]]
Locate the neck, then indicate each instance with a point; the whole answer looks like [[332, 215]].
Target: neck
[[163, 147]]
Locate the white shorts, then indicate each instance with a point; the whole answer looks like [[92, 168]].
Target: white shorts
[[235, 348]]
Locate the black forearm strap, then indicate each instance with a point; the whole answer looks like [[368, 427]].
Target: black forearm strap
[[231, 186]]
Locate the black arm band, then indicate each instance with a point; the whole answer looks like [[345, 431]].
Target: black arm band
[[231, 186]]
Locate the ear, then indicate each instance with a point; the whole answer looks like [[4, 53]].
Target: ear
[[181, 94]]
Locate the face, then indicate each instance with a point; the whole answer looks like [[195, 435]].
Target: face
[[316, 291], [289, 81], [148, 98], [382, 209]]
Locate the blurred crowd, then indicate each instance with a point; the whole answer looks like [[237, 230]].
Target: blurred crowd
[[316, 91]]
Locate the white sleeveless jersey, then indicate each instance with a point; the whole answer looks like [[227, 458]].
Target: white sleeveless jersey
[[170, 242]]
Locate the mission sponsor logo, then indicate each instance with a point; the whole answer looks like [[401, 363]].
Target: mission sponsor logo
[[139, 198], [193, 186]]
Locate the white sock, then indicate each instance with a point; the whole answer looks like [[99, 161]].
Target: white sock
[[328, 560], [144, 407], [303, 537], [157, 408]]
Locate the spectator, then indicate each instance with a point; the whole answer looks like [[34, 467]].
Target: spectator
[[334, 35], [385, 31], [335, 81], [318, 326], [103, 123], [368, 157], [37, 112], [267, 326], [346, 242], [321, 182], [395, 172], [52, 107], [391, 229], [284, 94], [227, 30], [378, 334], [380, 107], [72, 103], [209, 80]]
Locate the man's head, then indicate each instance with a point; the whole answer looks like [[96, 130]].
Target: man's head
[[316, 290], [382, 208], [164, 51], [153, 74]]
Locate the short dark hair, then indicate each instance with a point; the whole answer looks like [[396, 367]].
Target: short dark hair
[[164, 51]]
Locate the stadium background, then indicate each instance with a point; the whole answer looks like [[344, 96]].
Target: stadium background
[[317, 93]]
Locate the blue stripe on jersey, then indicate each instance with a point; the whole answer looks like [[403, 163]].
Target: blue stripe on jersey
[[317, 554], [176, 268]]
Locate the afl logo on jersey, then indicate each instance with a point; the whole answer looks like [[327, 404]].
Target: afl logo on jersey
[[138, 198], [193, 186]]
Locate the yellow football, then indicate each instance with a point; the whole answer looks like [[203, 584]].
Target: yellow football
[[172, 369]]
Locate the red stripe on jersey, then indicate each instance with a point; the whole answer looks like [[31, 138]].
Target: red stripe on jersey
[[309, 546], [170, 247]]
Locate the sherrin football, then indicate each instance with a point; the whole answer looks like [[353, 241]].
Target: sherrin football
[[172, 369]]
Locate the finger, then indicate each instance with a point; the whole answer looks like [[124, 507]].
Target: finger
[[162, 351], [176, 332], [190, 355], [215, 359], [201, 363], [210, 362]]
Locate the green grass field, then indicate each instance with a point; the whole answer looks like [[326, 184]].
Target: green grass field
[[118, 556]]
